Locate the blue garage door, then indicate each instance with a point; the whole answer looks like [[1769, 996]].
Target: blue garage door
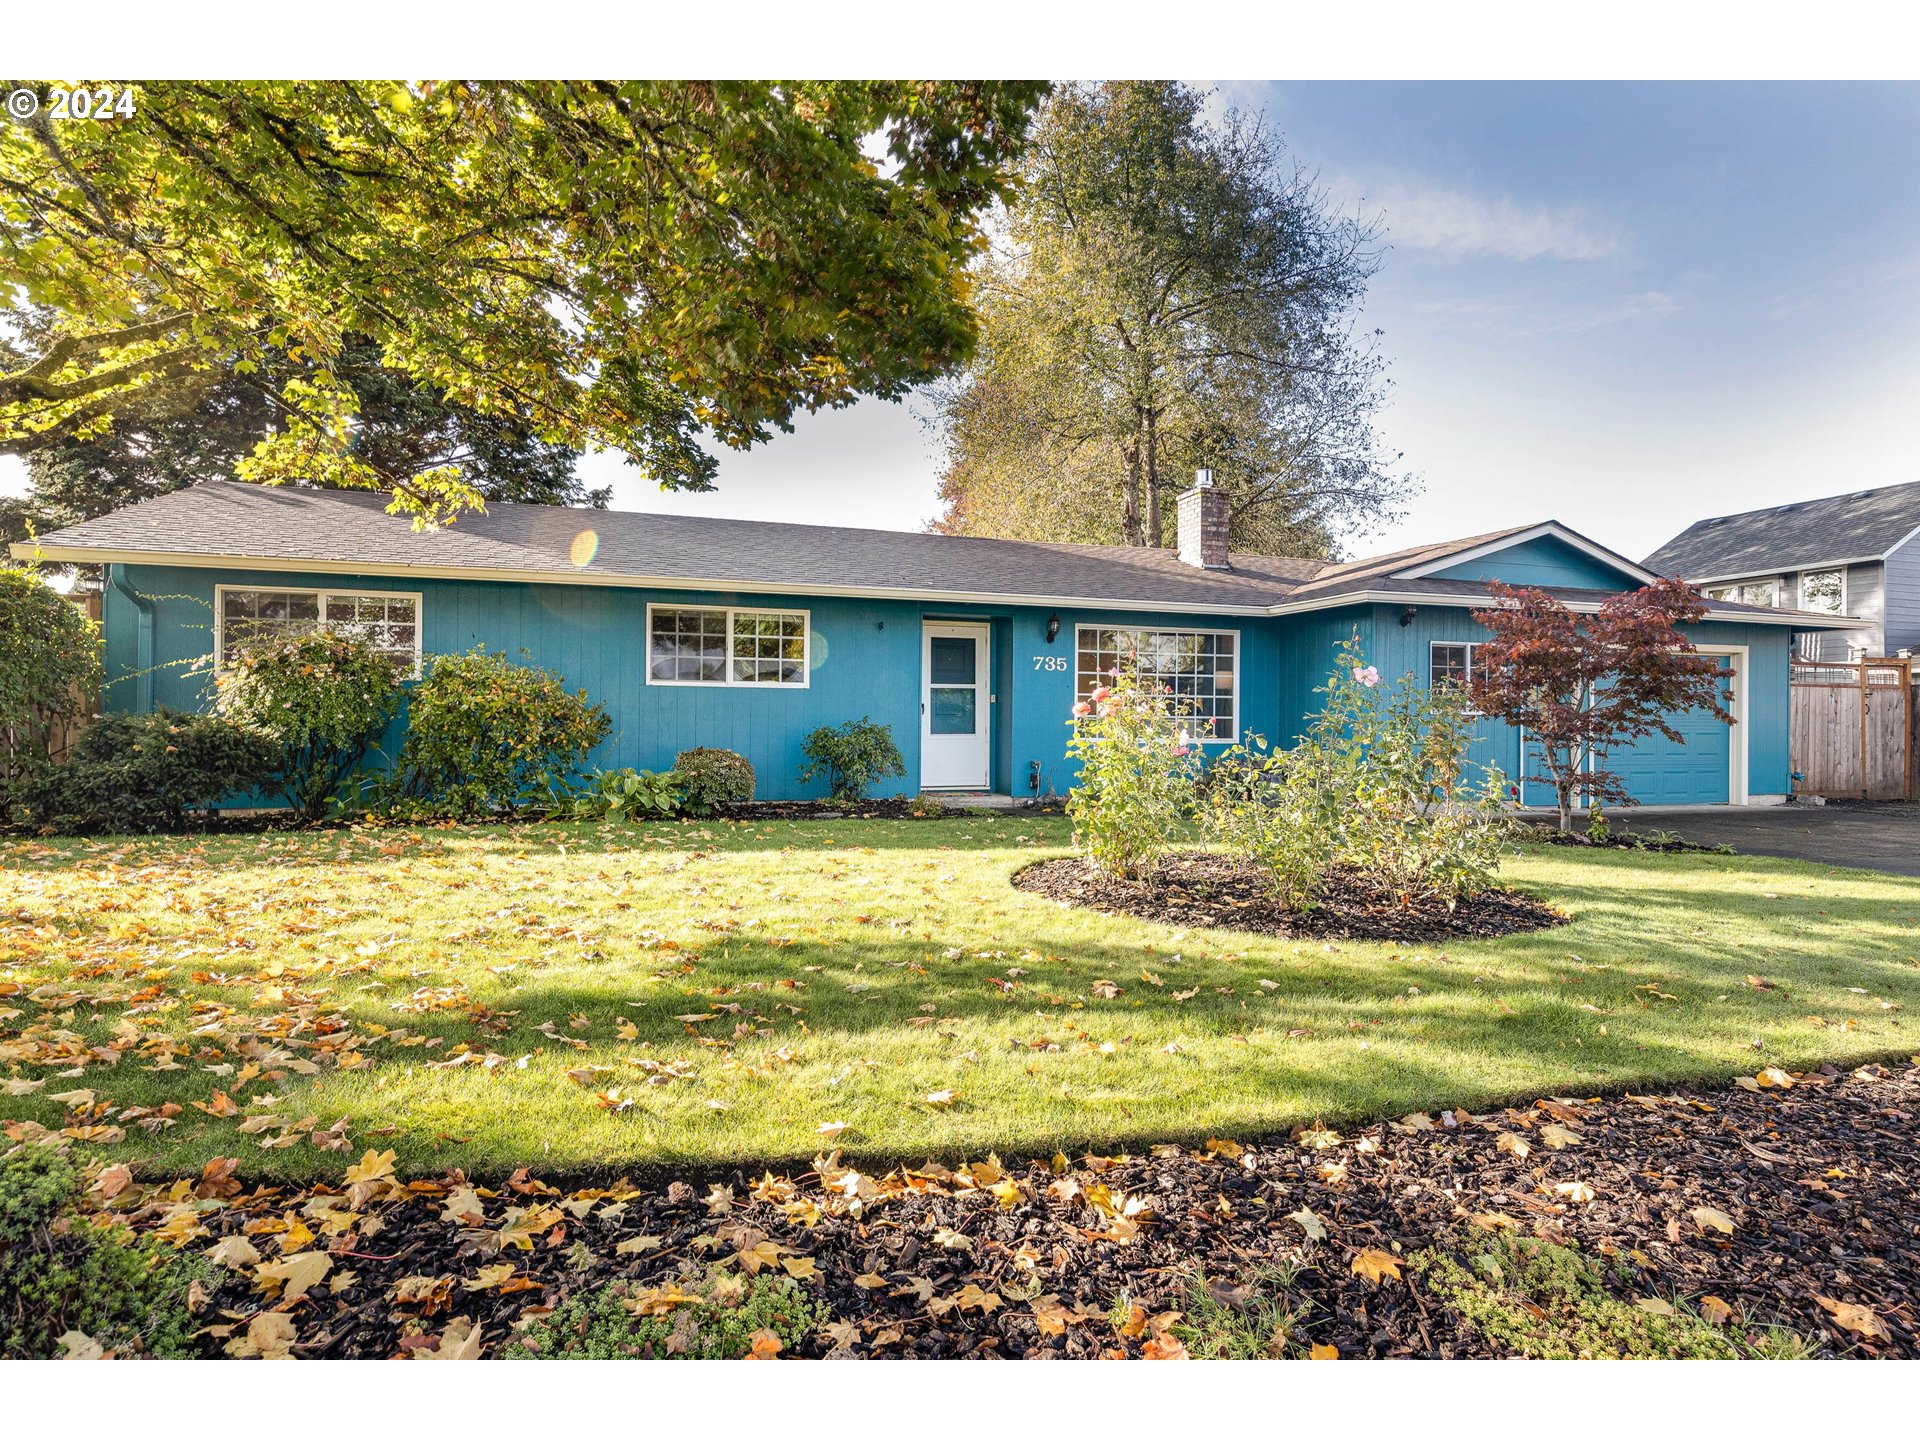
[[1659, 772]]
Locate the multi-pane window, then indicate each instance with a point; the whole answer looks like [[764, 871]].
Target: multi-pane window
[[1824, 591], [1451, 664], [389, 623], [1748, 592], [1198, 670], [697, 645]]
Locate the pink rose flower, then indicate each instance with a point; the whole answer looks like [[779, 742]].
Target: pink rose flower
[[1100, 692], [1366, 675], [1082, 708]]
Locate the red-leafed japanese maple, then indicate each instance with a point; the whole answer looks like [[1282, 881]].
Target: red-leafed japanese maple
[[1585, 684]]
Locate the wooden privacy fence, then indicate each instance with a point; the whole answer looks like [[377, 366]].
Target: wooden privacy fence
[[1852, 729]]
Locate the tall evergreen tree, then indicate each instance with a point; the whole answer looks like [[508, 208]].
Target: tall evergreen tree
[[1168, 293]]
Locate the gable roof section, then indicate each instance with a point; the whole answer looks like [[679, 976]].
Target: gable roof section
[[1424, 561], [1863, 525], [234, 526]]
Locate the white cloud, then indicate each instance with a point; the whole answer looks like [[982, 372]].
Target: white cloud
[[1529, 318], [1424, 216]]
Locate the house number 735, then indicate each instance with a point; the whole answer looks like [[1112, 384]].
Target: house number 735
[[1049, 662]]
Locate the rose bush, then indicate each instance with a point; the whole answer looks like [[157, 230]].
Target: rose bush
[[1138, 768]]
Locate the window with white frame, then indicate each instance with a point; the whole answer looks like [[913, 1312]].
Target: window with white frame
[[1824, 591], [1748, 592], [246, 615], [1450, 662], [710, 645], [1198, 669]]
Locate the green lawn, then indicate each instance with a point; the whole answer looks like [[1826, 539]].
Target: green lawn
[[851, 970]]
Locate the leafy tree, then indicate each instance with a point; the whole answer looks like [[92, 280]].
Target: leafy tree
[[1584, 685], [638, 265], [202, 426], [1170, 294], [49, 670]]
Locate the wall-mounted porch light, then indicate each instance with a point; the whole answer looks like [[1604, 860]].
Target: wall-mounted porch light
[[1053, 628], [1406, 615]]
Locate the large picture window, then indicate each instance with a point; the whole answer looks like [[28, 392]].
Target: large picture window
[[701, 645], [1824, 591], [1199, 668], [390, 623]]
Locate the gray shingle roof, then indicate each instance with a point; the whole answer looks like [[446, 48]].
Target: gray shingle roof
[[345, 527], [348, 530], [1857, 526]]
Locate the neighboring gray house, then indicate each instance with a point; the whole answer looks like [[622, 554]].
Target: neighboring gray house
[[1856, 554]]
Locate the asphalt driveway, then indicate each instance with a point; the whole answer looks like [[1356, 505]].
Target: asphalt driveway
[[1868, 837]]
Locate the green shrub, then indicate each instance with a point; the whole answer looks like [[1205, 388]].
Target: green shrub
[[624, 795], [1276, 809], [324, 697], [725, 1314], [851, 757], [1138, 771], [49, 670], [712, 778], [147, 773], [1380, 786], [1551, 1302], [61, 1271], [481, 729], [928, 807]]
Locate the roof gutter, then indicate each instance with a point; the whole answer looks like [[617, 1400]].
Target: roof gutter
[[83, 555]]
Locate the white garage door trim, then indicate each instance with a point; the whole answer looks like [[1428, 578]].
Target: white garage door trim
[[1737, 732]]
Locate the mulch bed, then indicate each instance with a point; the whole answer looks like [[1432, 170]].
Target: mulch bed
[[1816, 1175], [1200, 889], [1670, 844], [898, 808]]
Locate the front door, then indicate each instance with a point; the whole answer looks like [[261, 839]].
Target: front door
[[955, 708]]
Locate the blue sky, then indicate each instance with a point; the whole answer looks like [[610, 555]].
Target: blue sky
[[1621, 306]]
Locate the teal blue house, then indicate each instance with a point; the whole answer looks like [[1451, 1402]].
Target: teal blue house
[[748, 635]]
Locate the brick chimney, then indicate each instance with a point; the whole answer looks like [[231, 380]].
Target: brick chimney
[[1203, 524]]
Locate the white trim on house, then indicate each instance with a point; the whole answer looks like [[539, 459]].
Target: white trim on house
[[1741, 575], [1591, 549], [805, 617], [322, 595], [1239, 649], [1795, 618], [27, 550], [1737, 707]]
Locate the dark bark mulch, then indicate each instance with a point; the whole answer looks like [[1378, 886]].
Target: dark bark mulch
[[1667, 843], [898, 808], [1816, 1177], [1199, 889]]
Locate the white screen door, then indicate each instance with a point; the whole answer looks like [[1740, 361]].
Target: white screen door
[[955, 708]]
